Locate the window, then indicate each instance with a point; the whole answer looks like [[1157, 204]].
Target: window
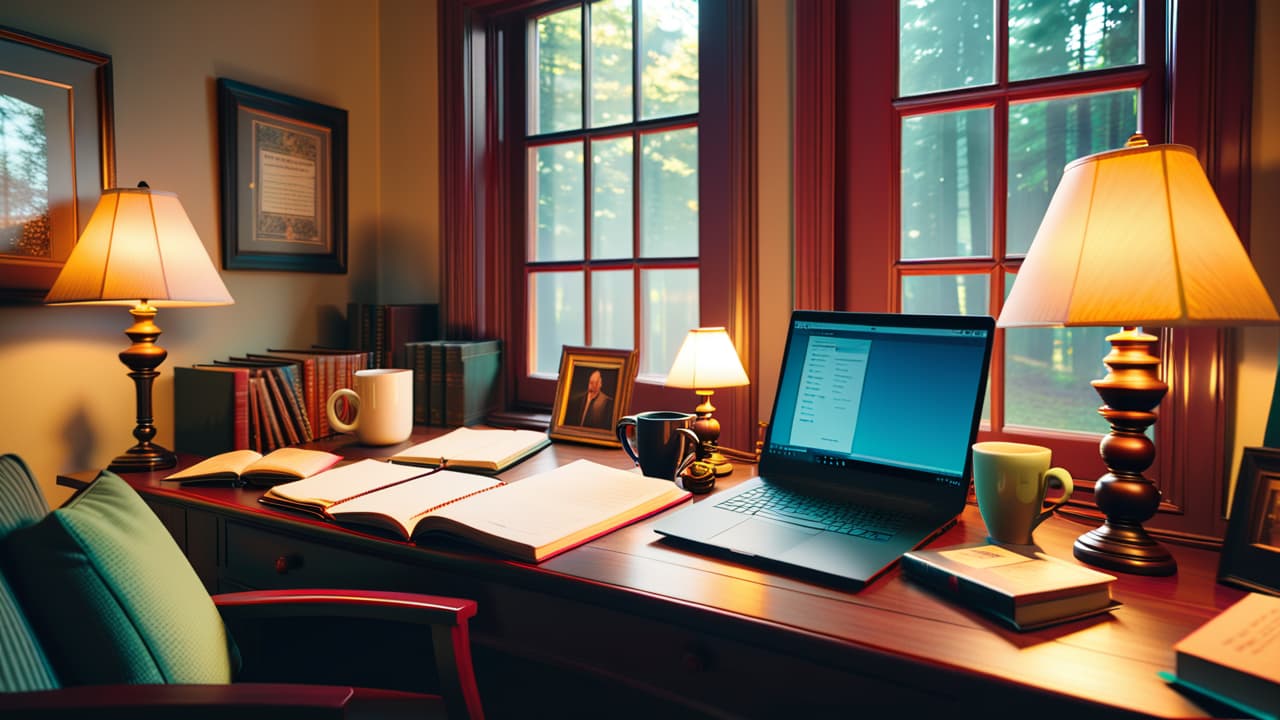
[[612, 257], [959, 121], [597, 160], [951, 123]]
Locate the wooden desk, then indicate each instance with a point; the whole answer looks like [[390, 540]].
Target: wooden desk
[[633, 625]]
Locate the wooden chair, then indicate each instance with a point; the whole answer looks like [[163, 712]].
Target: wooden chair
[[100, 613]]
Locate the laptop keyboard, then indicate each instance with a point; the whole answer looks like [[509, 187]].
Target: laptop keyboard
[[776, 503]]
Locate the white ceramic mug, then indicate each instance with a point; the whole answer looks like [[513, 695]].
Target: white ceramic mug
[[383, 401], [1010, 480]]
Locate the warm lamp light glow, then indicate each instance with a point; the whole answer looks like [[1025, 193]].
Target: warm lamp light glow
[[139, 249], [1134, 237], [139, 245], [708, 360]]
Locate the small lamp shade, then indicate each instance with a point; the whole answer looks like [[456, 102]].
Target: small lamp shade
[[1136, 237], [707, 360], [139, 244]]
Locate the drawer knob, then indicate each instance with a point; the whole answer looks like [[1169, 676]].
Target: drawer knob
[[695, 659], [285, 563]]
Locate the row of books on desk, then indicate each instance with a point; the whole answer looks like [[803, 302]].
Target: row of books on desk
[[260, 401], [263, 401], [447, 486]]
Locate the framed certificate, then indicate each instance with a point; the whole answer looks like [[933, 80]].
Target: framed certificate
[[284, 181]]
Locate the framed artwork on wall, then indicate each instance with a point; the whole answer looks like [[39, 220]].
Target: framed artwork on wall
[[593, 392], [57, 154], [1251, 551], [284, 181]]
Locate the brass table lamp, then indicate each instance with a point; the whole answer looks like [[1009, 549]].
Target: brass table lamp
[[707, 360], [140, 250]]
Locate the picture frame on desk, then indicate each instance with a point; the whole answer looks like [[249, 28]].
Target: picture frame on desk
[[60, 157], [1250, 556], [284, 181], [612, 372]]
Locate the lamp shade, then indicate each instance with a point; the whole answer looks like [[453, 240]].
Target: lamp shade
[[139, 245], [706, 360], [1136, 237]]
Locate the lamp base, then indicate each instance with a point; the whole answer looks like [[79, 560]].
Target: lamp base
[[1131, 391], [719, 463], [143, 457], [142, 358], [1124, 547]]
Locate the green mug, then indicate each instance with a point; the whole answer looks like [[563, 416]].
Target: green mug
[[1011, 481]]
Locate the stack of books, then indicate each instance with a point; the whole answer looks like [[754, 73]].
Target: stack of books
[[455, 381], [385, 329], [261, 401]]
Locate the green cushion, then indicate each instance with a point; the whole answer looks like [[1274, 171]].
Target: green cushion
[[112, 597]]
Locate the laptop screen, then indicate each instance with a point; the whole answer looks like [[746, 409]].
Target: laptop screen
[[902, 392]]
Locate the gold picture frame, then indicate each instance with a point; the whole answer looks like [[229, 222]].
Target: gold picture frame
[[66, 144], [613, 373]]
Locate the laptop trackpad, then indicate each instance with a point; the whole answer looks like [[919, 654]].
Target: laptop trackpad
[[755, 536]]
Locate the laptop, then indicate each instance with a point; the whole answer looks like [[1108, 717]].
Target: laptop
[[866, 455]]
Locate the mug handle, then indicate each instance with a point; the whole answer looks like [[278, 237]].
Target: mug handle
[[334, 420], [691, 452], [1064, 481], [621, 430]]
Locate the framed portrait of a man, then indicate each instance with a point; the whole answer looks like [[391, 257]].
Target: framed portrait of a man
[[592, 394]]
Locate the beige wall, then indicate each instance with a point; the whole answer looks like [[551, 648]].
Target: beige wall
[[68, 404]]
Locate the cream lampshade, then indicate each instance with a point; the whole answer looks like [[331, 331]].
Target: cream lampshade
[[1134, 237], [140, 250], [707, 360]]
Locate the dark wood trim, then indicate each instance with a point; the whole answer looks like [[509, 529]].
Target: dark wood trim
[[1211, 100], [814, 162], [866, 207], [482, 280]]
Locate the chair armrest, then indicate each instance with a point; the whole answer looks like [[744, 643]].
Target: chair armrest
[[447, 618], [147, 702]]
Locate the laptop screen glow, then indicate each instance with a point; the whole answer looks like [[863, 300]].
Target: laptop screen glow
[[902, 397]]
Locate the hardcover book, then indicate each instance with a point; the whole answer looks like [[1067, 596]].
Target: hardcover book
[[1235, 657], [211, 410], [1023, 588], [531, 519]]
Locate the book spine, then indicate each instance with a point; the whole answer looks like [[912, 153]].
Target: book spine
[[436, 371], [266, 416], [957, 588], [279, 395], [295, 398], [255, 420], [211, 410], [419, 354]]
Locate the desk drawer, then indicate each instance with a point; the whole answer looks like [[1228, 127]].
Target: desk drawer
[[263, 559]]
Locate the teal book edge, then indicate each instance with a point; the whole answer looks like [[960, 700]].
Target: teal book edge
[[1201, 690]]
